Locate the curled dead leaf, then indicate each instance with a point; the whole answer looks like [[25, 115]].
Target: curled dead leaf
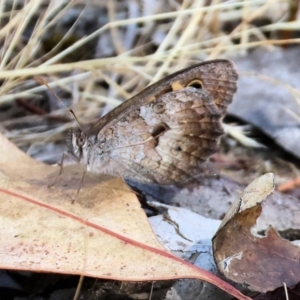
[[262, 262]]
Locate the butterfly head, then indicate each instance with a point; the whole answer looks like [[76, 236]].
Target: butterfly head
[[77, 144]]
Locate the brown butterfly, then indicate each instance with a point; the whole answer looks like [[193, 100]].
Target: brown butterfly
[[164, 134]]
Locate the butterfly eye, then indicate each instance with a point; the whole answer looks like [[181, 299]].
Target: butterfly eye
[[81, 140], [197, 84]]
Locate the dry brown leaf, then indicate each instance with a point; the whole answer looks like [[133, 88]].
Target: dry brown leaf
[[263, 263], [104, 234]]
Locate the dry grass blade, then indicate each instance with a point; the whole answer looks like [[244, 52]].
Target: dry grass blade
[[184, 33]]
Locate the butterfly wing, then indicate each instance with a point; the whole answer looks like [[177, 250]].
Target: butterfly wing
[[165, 134]]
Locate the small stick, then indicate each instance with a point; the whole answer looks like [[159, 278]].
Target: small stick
[[79, 286], [289, 185], [151, 291]]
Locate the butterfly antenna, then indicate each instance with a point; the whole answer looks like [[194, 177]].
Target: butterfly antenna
[[42, 81]]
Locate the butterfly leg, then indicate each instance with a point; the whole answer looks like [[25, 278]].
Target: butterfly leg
[[61, 164], [63, 157], [79, 188]]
